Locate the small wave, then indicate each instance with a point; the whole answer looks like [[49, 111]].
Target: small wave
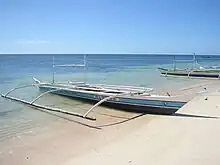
[[9, 112]]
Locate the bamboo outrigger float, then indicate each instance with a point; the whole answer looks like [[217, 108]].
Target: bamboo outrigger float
[[191, 72], [129, 98]]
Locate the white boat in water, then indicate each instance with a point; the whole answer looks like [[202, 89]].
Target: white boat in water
[[199, 72]]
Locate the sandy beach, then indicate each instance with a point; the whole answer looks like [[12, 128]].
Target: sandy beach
[[191, 136]]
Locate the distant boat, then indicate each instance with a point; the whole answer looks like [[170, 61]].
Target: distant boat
[[206, 56], [201, 72]]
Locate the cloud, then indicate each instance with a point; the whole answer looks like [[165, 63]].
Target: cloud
[[33, 42]]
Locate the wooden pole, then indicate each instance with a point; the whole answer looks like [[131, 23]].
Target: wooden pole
[[194, 60], [47, 108], [53, 70], [85, 69]]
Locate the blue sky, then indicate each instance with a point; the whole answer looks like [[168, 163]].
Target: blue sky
[[110, 26]]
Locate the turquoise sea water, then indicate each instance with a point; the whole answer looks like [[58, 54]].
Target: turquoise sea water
[[140, 70]]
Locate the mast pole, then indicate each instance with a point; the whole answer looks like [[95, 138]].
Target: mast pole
[[84, 68], [194, 60], [174, 63], [53, 70]]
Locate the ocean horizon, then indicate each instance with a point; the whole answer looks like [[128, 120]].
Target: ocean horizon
[[166, 54]]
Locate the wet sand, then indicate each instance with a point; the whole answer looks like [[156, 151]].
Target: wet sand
[[191, 136]]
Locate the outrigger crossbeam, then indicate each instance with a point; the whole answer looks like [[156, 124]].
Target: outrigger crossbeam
[[38, 106], [108, 98]]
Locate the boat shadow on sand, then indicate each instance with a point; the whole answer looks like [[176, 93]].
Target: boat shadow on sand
[[125, 119], [194, 116], [173, 115]]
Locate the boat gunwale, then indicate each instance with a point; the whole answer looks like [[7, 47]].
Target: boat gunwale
[[138, 97]]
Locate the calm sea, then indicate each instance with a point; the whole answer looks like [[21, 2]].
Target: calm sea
[[16, 70]]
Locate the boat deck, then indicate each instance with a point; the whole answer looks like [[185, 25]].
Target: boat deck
[[184, 94]]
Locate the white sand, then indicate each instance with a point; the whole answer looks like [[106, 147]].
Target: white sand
[[167, 140], [149, 139]]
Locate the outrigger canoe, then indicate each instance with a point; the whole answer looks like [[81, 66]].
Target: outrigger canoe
[[201, 73], [127, 98], [121, 97]]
